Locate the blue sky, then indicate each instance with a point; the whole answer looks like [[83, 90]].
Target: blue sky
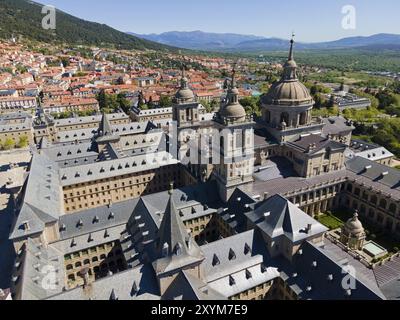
[[312, 20]]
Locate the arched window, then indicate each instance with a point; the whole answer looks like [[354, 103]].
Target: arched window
[[267, 116], [70, 267], [374, 200], [371, 213], [222, 143], [392, 208], [383, 203], [165, 249], [303, 118], [349, 188], [285, 118], [78, 264]]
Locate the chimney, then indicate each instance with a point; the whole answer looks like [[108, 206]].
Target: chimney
[[84, 273], [266, 195], [308, 229]]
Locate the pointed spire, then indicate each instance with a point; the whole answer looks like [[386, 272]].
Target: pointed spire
[[291, 48], [173, 235], [184, 80], [113, 295], [233, 81], [290, 67], [183, 70], [105, 126]]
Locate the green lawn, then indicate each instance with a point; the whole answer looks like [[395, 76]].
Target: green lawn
[[330, 221]]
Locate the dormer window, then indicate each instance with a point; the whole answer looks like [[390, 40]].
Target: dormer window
[[178, 249], [165, 250], [232, 255], [247, 249], [248, 274], [25, 226], [79, 224], [215, 261]]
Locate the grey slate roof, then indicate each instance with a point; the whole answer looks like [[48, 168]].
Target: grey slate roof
[[89, 119], [181, 248], [376, 175], [42, 271], [336, 125], [312, 270], [278, 217], [42, 197], [236, 264], [116, 167], [187, 287], [320, 142], [133, 284]]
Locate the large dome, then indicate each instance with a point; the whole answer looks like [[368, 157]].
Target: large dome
[[288, 92], [354, 226], [184, 94], [234, 111]]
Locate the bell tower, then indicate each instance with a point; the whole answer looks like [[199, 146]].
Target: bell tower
[[236, 145]]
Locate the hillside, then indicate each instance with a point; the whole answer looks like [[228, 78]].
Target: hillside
[[24, 18]]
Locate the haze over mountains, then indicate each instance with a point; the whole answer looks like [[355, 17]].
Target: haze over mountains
[[199, 40]]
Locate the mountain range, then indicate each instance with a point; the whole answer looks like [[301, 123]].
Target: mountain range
[[198, 40], [24, 18]]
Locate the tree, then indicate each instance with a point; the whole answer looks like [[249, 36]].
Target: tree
[[141, 101], [8, 144], [101, 98], [165, 102], [23, 142], [123, 102], [331, 102], [108, 101], [385, 99], [206, 105], [320, 101], [251, 105], [65, 61]]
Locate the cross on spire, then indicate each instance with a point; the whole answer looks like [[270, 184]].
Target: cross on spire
[[291, 47], [233, 82]]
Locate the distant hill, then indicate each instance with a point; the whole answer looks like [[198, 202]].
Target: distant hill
[[24, 18], [198, 40], [372, 42]]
